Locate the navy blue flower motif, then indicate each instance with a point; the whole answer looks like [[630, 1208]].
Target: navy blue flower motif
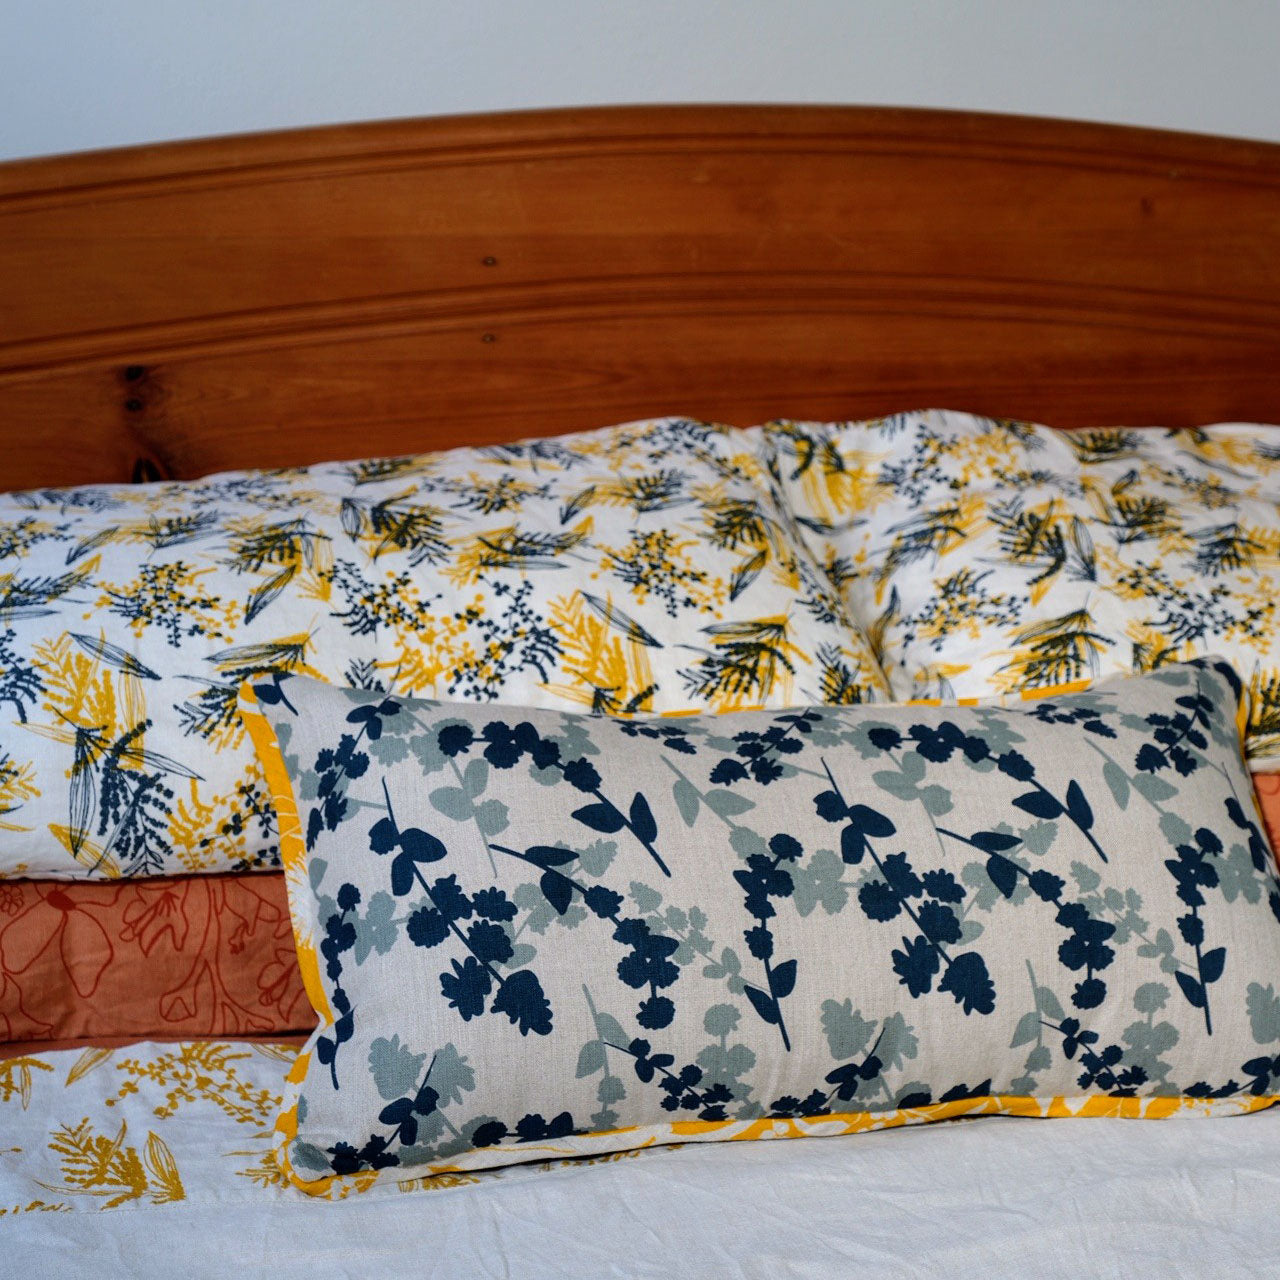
[[1016, 766], [963, 1092], [813, 1104], [533, 1128], [489, 942], [530, 1128], [1099, 1064], [966, 978], [334, 768], [939, 923], [1257, 846], [455, 739], [521, 998], [756, 754], [1264, 1073], [1193, 870], [370, 718], [728, 771], [680, 1087], [506, 745], [916, 964], [765, 878], [943, 886], [603, 901], [449, 899], [671, 736], [938, 744], [1089, 994], [900, 877], [656, 1012], [467, 987], [1088, 718], [648, 960], [339, 936], [489, 1134], [545, 753], [921, 958], [1045, 885], [582, 774], [468, 984], [1085, 947], [879, 901], [493, 904], [344, 1158], [1175, 734], [884, 737], [426, 927]]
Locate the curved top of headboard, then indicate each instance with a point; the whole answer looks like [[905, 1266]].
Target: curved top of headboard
[[286, 297]]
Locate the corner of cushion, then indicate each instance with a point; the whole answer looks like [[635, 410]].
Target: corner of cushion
[[265, 743], [286, 1130], [1244, 713], [293, 851]]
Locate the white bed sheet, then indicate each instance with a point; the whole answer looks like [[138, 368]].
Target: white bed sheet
[[1188, 1197]]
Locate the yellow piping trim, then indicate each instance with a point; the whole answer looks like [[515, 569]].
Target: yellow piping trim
[[1061, 1107], [293, 850]]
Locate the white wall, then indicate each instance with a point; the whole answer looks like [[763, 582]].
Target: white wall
[[76, 74]]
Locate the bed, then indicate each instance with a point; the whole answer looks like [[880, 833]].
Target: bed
[[297, 298]]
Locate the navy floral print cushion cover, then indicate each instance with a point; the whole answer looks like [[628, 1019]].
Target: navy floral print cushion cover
[[532, 933]]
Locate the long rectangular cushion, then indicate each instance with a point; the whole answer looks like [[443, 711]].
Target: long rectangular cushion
[[988, 556], [634, 570], [530, 933]]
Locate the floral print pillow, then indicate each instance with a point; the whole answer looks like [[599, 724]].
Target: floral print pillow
[[989, 556], [531, 933], [637, 570]]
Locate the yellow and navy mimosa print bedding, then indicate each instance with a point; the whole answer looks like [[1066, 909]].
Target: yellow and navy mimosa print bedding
[[636, 570], [989, 556]]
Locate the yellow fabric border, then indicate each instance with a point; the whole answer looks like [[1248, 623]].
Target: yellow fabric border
[[585, 1146], [293, 850]]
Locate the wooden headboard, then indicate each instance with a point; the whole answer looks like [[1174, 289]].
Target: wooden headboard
[[176, 309]]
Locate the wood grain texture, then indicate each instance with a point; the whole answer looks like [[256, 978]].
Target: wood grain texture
[[379, 288]]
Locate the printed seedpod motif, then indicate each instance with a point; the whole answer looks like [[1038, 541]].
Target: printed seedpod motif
[[636, 571], [988, 556]]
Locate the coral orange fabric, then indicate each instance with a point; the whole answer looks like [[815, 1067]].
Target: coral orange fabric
[[1267, 786], [189, 956]]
